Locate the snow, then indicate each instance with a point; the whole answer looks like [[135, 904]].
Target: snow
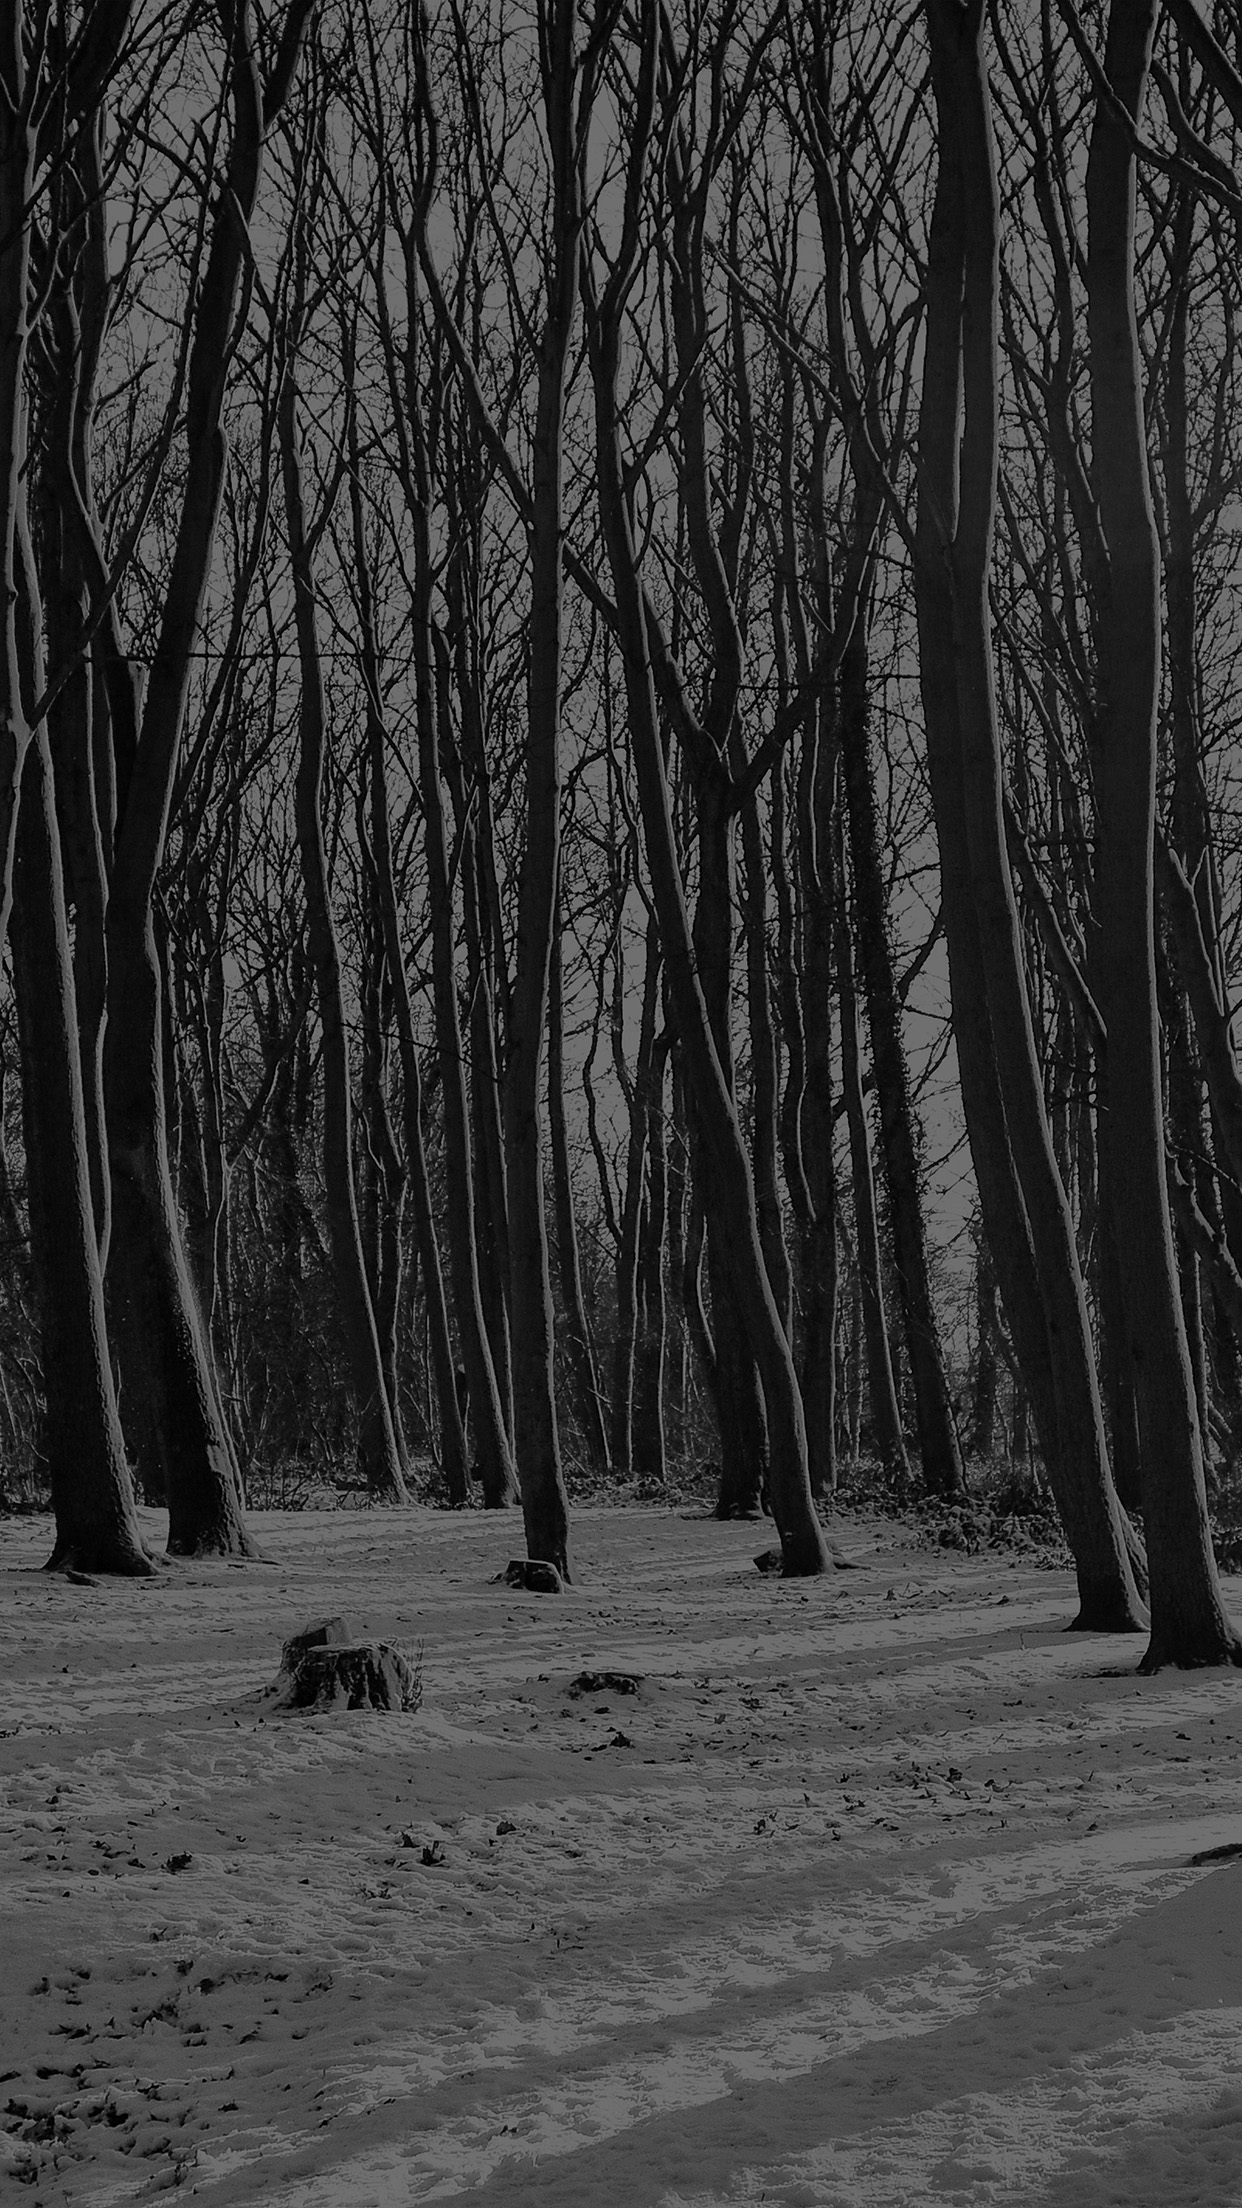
[[877, 1892]]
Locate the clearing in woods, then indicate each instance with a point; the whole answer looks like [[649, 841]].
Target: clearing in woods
[[874, 1891]]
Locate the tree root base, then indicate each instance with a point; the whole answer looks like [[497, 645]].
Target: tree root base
[[81, 1563]]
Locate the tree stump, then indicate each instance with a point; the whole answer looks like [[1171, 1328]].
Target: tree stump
[[532, 1573], [329, 1666]]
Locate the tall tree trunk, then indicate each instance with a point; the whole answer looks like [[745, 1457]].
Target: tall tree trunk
[[764, 1106], [452, 1436], [70, 727], [819, 1251], [17, 159], [383, 1175], [467, 775], [96, 1522], [886, 1434], [939, 1449], [97, 1527], [491, 1436], [579, 1347], [650, 1439], [378, 1458], [625, 1349], [743, 1426], [168, 1378], [987, 1362], [1189, 1624], [1025, 1213], [566, 100], [736, 1226]]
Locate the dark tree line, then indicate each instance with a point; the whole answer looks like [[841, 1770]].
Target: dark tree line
[[568, 575]]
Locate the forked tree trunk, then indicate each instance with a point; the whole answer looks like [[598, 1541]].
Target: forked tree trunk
[[169, 1387], [1188, 1621], [96, 1523], [735, 1224], [939, 1447], [97, 1526]]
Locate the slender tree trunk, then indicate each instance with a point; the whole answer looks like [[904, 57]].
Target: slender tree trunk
[[96, 1523], [899, 1133], [887, 1438], [491, 1180], [820, 1268], [1024, 1209], [168, 1379], [625, 1350], [383, 1174], [579, 1347], [743, 1427], [452, 1437], [537, 1442], [491, 1438], [486, 983], [1189, 1624], [650, 1440], [939, 1448], [765, 1086], [676, 1179], [378, 1456], [802, 1542], [987, 1364], [17, 158], [70, 729]]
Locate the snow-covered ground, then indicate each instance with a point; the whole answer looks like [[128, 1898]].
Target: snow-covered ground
[[878, 1891]]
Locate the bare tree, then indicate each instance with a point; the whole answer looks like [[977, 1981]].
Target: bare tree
[[1023, 1202], [1189, 1625]]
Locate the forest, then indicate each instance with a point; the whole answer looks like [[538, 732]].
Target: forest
[[620, 636]]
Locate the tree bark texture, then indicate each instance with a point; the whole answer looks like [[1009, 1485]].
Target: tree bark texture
[[579, 1346], [378, 1458], [939, 1448], [1024, 1208], [887, 1438], [820, 1268], [1188, 1621], [536, 1439], [491, 1437], [802, 1542], [169, 1387], [452, 1436]]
